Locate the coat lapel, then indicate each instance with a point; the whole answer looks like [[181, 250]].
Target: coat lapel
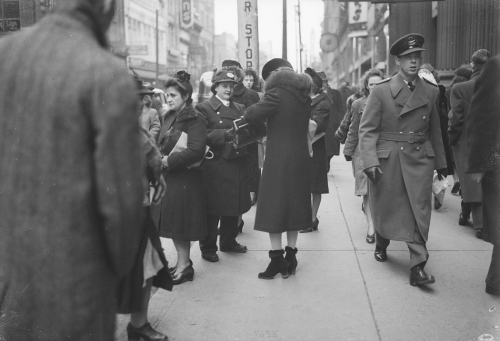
[[168, 120], [417, 98]]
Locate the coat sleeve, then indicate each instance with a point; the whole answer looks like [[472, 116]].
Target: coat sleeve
[[196, 145], [435, 136], [341, 133], [321, 116], [118, 165], [155, 126], [216, 138], [266, 107], [369, 128], [483, 120], [456, 116], [352, 137]]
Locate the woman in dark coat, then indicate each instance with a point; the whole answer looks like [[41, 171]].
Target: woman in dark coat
[[351, 149], [320, 114], [150, 267], [285, 193], [181, 215], [225, 176]]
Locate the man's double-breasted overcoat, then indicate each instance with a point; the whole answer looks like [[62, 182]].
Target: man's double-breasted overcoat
[[401, 201]]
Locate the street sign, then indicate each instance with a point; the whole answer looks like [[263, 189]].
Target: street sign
[[248, 34], [138, 50], [187, 14]]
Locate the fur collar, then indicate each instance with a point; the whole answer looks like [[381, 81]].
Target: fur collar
[[297, 83], [185, 114]]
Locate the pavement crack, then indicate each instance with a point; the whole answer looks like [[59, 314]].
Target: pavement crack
[[359, 265]]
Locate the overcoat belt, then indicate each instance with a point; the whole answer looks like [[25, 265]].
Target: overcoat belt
[[400, 132]]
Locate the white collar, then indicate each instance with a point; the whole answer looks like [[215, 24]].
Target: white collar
[[226, 103]]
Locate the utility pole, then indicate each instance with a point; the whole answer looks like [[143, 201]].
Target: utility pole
[[300, 38], [284, 52], [157, 52]]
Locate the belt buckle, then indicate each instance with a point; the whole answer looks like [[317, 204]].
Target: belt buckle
[[411, 137]]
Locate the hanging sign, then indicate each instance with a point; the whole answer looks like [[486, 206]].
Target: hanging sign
[[248, 34], [187, 13]]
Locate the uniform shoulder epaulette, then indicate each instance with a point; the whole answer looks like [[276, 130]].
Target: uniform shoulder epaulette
[[428, 81], [383, 80]]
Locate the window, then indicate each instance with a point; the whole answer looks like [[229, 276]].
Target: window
[[10, 16]]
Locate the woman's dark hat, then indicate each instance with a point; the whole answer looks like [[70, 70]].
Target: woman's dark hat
[[410, 43], [224, 76], [463, 72], [182, 78], [230, 62], [273, 64], [315, 77]]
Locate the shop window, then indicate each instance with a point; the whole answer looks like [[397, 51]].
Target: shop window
[[10, 16]]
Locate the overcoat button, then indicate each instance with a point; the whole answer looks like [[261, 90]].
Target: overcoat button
[[221, 122], [424, 117], [402, 148], [418, 148], [400, 132]]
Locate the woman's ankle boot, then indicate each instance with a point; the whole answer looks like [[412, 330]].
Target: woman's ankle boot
[[278, 265], [291, 259]]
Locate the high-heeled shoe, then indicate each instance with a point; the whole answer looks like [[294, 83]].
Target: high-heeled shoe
[[277, 265], [174, 268], [370, 238], [146, 333], [291, 259], [314, 227], [185, 275]]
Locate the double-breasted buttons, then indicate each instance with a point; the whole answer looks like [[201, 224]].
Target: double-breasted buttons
[[402, 148], [220, 122], [218, 113], [418, 148], [423, 117]]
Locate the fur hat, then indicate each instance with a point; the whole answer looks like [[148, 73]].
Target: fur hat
[[230, 62], [273, 64]]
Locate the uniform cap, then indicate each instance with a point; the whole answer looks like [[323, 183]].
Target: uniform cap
[[224, 76], [273, 64], [410, 43]]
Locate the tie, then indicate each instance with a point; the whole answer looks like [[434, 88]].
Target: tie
[[411, 85]]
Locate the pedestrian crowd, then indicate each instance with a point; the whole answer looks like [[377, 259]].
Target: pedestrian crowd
[[94, 171]]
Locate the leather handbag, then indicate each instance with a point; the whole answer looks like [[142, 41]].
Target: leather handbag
[[247, 133]]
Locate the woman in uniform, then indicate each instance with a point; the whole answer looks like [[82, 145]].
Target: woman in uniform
[[225, 176]]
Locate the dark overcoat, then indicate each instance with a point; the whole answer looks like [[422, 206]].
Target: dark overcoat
[[402, 199], [461, 96], [285, 192], [181, 213], [483, 134], [71, 187], [320, 113], [225, 181], [336, 114], [248, 97]]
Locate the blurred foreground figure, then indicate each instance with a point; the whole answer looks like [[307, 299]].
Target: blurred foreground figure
[[483, 135], [70, 177]]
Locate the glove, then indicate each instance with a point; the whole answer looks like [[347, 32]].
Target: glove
[[348, 157], [159, 189], [374, 174], [442, 173]]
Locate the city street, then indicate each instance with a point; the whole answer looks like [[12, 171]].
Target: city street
[[339, 292]]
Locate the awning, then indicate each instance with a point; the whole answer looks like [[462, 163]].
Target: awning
[[145, 74]]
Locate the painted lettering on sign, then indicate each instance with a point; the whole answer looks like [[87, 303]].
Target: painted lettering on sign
[[248, 42], [187, 13]]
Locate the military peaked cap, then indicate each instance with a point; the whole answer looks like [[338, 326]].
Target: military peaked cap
[[410, 43]]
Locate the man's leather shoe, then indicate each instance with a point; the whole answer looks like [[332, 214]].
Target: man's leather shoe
[[462, 221], [236, 248], [492, 290], [419, 277], [210, 256], [479, 234], [380, 254]]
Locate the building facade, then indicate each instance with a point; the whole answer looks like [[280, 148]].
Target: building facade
[[357, 35], [225, 47]]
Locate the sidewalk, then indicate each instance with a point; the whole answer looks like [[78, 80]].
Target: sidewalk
[[340, 292]]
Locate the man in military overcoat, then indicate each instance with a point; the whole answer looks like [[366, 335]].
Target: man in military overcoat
[[401, 145]]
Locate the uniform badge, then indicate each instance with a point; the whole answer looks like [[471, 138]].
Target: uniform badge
[[230, 75], [411, 42]]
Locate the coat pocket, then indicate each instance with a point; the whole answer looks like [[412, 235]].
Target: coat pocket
[[383, 153], [430, 152]]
